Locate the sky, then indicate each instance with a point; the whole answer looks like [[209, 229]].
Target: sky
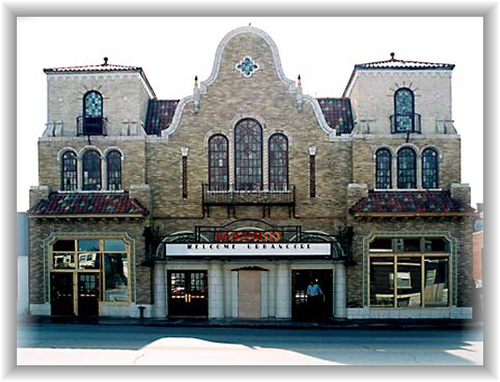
[[172, 51]]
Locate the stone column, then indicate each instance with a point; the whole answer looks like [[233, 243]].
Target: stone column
[[227, 293], [215, 291], [234, 294], [272, 291], [340, 291], [283, 298], [264, 300], [160, 290]]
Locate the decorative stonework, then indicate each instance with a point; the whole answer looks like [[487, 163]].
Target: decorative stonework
[[247, 67]]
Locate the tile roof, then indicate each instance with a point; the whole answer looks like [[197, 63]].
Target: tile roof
[[338, 113], [402, 64], [159, 116], [104, 67], [87, 204], [411, 203]]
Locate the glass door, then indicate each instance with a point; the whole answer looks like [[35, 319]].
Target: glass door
[[188, 293], [88, 294], [61, 294]]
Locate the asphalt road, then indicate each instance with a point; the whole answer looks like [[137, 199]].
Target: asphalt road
[[77, 344]]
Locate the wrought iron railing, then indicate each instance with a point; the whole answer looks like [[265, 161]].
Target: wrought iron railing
[[216, 196], [91, 126], [406, 123]]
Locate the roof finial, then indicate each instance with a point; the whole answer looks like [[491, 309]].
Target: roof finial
[[392, 56], [196, 81], [105, 61]]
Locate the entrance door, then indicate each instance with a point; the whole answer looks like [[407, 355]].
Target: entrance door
[[249, 294], [88, 294], [61, 294], [188, 294], [301, 307]]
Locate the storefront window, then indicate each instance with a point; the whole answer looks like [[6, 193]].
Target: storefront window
[[107, 258], [116, 276], [409, 281], [436, 281], [421, 266], [63, 261], [381, 287]]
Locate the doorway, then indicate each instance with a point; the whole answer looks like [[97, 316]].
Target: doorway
[[88, 294], [301, 307], [61, 294], [187, 294]]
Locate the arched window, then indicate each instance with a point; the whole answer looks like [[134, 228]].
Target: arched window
[[407, 168], [218, 167], [69, 172], [91, 170], [93, 123], [114, 167], [404, 110], [383, 168], [430, 168], [92, 104], [248, 155], [278, 162]]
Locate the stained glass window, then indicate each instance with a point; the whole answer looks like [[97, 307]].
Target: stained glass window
[[404, 110], [248, 155], [429, 168], [69, 171], [114, 165], [247, 67], [407, 168], [92, 105], [91, 170], [218, 169], [383, 169], [278, 163]]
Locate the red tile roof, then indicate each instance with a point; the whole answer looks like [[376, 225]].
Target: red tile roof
[[159, 116], [411, 203], [87, 204], [93, 68], [402, 64], [338, 113]]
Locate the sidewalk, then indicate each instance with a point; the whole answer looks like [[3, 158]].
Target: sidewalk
[[262, 323]]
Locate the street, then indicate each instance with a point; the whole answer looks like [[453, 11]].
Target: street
[[78, 344]]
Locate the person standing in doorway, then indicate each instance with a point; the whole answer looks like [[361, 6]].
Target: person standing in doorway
[[314, 297]]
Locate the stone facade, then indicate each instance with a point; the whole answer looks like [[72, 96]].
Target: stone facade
[[153, 174]]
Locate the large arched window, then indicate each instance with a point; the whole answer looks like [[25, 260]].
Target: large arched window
[[383, 169], [92, 122], [278, 162], [248, 155], [404, 110], [407, 168], [91, 170], [218, 166], [114, 167], [430, 168], [69, 172]]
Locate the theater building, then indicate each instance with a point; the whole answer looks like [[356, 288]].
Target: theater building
[[228, 202]]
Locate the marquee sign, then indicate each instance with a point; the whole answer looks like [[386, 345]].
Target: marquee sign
[[248, 249]]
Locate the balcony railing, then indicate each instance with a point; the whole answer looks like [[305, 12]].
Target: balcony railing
[[91, 126], [406, 123], [212, 196]]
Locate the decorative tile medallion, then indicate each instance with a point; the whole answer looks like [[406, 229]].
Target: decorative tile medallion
[[247, 67]]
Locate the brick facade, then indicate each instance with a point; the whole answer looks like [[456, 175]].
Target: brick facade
[[152, 165]]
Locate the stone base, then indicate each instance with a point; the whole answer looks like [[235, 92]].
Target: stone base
[[429, 313]]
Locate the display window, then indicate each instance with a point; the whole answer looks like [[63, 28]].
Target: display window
[[409, 272], [109, 260]]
